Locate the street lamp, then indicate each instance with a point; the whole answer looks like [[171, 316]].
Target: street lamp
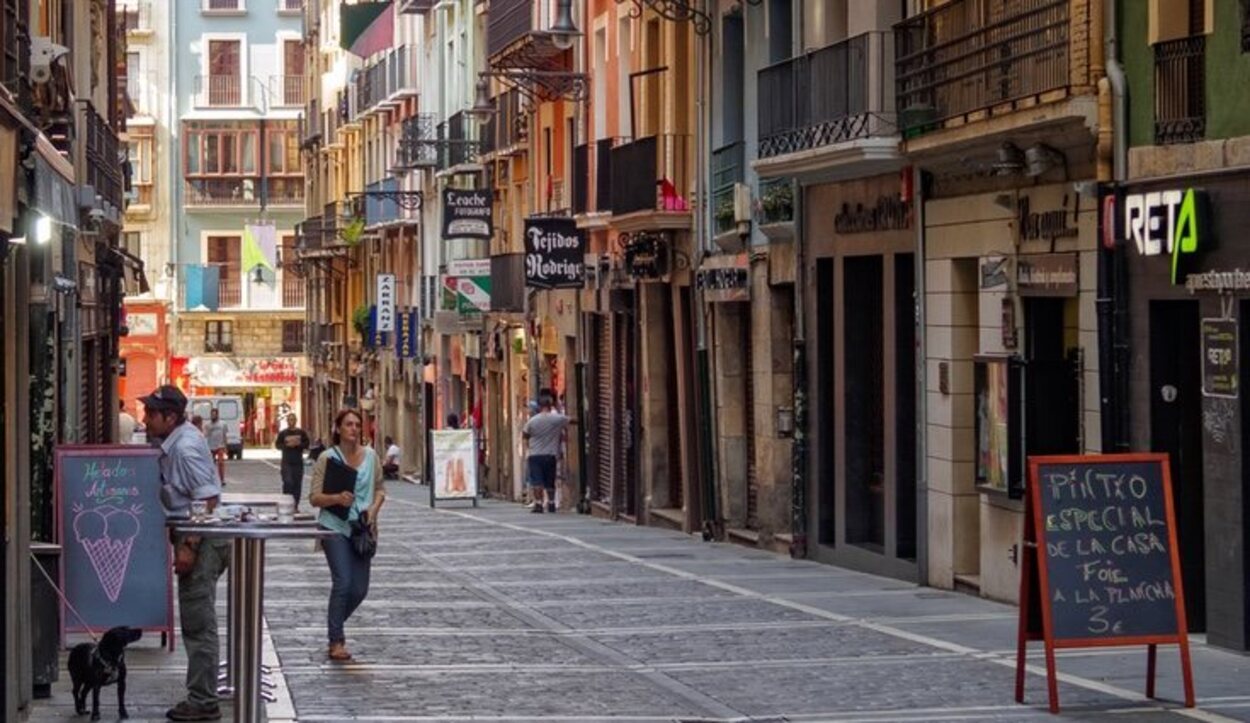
[[563, 30], [482, 108]]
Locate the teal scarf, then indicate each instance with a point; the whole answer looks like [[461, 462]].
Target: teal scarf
[[363, 493]]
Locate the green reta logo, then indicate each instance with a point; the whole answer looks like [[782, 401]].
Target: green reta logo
[[1186, 237]]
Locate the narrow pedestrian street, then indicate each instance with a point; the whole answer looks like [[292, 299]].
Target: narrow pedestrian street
[[499, 614]]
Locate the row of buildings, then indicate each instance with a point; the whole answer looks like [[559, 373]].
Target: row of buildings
[[845, 263], [64, 268]]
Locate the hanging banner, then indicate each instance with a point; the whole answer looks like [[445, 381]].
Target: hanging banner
[[555, 254], [386, 303], [470, 280], [467, 214]]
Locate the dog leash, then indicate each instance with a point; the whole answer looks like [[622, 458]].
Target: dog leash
[[94, 638]]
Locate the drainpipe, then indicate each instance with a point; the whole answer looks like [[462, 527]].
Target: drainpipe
[[707, 457], [171, 110], [922, 397]]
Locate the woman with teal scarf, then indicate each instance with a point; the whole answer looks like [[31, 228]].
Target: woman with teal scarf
[[349, 571]]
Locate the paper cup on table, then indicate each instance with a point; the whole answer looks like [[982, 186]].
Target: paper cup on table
[[286, 510]]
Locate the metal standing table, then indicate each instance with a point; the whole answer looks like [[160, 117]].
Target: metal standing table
[[247, 577]]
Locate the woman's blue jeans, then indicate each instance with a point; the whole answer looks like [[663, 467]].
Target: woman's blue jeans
[[349, 580]]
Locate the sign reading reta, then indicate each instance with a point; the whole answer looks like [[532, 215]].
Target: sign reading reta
[[1171, 222]]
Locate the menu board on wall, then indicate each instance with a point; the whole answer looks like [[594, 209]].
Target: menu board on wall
[[1219, 358]]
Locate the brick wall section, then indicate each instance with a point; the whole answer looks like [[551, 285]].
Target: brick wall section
[[253, 336], [1079, 46]]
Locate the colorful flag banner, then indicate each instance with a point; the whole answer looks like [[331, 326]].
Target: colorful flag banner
[[260, 246], [202, 284]]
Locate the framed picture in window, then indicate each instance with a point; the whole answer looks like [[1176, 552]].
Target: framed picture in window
[[999, 433]]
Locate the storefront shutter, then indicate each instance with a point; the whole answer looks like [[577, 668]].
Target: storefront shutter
[[603, 408], [748, 373]]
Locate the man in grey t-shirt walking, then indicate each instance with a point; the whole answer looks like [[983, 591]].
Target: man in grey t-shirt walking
[[217, 437], [543, 433]]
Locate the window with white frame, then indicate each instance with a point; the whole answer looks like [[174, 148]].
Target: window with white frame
[[227, 6]]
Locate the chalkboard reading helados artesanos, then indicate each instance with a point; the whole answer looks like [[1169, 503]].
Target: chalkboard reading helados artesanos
[[1108, 554], [116, 568]]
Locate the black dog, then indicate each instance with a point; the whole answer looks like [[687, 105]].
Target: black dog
[[92, 667]]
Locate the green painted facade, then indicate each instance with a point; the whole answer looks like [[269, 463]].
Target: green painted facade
[[1227, 76]]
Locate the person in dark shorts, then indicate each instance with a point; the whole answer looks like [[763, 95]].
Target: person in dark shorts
[[543, 434], [293, 442]]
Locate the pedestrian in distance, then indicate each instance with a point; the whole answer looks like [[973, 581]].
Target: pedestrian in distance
[[187, 475], [217, 434], [349, 569], [391, 462], [293, 442], [126, 424], [542, 435]]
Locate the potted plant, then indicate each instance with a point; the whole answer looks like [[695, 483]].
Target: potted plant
[[777, 203], [725, 215], [360, 321]]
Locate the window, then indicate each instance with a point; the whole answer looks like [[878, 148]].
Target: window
[[221, 148], [218, 337], [140, 151], [224, 5], [292, 90], [224, 72], [133, 243], [225, 253], [283, 142], [292, 279], [292, 336], [290, 6]]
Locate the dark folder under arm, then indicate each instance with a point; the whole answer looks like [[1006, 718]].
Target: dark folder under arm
[[339, 478]]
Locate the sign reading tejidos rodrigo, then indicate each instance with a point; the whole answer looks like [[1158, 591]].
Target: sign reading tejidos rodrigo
[[555, 254]]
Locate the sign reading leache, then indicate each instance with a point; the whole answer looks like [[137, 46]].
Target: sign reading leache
[[555, 254], [1171, 222], [467, 214]]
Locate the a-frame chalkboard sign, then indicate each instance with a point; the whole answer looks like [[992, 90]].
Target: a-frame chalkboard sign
[[1100, 563]]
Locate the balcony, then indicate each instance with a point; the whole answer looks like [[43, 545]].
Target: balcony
[[292, 289], [222, 6], [418, 143], [511, 124], [100, 154], [290, 6], [385, 82], [136, 17], [1180, 90], [456, 148], [383, 211], [581, 179], [728, 170], [509, 21], [243, 191], [835, 106], [287, 90], [143, 95], [311, 134], [229, 288], [219, 91], [653, 175], [592, 176], [963, 59]]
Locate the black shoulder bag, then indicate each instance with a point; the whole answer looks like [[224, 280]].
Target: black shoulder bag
[[364, 541]]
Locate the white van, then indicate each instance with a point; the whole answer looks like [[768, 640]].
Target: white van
[[229, 410]]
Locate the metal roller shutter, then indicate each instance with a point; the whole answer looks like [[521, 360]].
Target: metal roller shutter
[[603, 408], [748, 405]]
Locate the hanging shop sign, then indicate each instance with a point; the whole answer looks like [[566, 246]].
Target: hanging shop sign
[[1047, 274], [386, 304], [407, 333], [467, 214], [647, 255], [468, 284], [725, 278], [1219, 358], [1172, 222], [889, 213], [1048, 225], [555, 254]]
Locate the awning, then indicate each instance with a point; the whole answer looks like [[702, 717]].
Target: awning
[[54, 185], [136, 279]]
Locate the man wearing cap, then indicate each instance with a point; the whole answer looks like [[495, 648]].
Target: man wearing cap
[[187, 474]]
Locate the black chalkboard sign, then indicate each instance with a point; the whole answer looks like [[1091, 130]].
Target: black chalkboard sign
[[116, 568], [1100, 561]]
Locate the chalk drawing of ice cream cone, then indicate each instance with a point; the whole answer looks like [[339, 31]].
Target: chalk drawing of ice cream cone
[[107, 534]]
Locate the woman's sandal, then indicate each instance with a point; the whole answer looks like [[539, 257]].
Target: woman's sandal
[[338, 651]]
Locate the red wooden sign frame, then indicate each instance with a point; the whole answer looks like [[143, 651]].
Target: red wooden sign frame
[[1034, 540], [167, 631]]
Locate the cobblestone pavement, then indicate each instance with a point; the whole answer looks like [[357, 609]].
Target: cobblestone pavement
[[496, 614]]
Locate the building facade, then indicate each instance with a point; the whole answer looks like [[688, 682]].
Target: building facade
[[239, 188], [62, 277], [1174, 258]]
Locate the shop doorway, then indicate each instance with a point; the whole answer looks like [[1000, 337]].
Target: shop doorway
[[1176, 428], [1052, 386], [863, 331]]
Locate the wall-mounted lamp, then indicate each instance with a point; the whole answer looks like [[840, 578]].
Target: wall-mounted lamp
[[43, 230], [482, 108], [1040, 158], [564, 31], [1010, 160]]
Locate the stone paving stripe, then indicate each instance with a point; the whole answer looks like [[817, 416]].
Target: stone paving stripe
[[1085, 683]]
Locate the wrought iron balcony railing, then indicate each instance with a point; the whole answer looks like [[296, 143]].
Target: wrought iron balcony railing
[[101, 154], [143, 93], [832, 95], [509, 21], [287, 90], [964, 56], [592, 175], [391, 77], [1180, 90], [223, 91], [652, 174], [418, 143], [243, 191], [581, 178], [455, 144]]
